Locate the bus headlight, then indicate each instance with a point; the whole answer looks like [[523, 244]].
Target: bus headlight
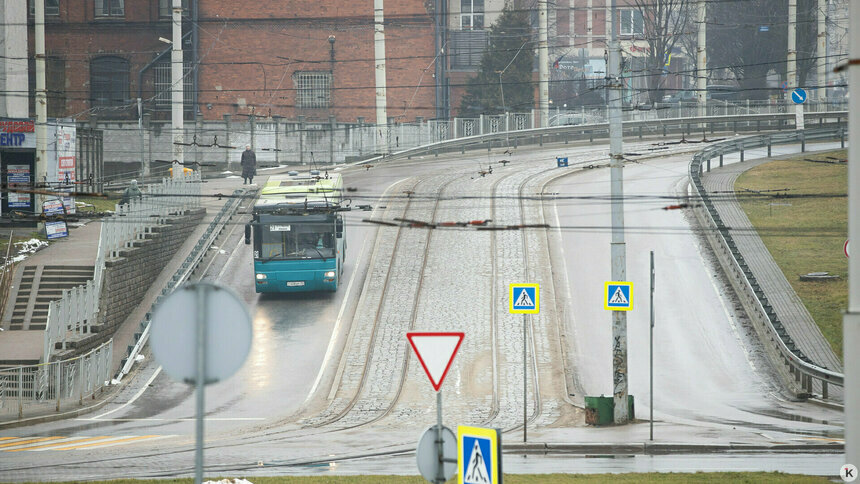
[[329, 274], [261, 277]]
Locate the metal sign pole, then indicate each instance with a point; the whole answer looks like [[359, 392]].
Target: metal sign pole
[[651, 351], [525, 377], [440, 473], [201, 381]]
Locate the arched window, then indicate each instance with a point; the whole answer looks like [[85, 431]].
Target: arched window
[[109, 81]]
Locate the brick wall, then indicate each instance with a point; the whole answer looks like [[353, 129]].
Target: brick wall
[[128, 277]]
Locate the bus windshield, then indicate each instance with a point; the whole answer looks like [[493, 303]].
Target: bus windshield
[[290, 241]]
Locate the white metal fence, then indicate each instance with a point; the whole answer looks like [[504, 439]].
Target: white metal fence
[[55, 386], [73, 315]]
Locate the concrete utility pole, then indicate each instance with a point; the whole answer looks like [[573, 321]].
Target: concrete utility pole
[[821, 49], [791, 74], [543, 64], [851, 319], [618, 247], [176, 90], [379, 54], [439, 65], [41, 172], [701, 62]]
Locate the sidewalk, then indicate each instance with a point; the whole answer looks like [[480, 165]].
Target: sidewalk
[[788, 306], [80, 249]]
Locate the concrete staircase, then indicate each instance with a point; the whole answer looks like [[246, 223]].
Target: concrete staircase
[[39, 286]]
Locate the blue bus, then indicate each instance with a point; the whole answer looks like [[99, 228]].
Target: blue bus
[[298, 238]]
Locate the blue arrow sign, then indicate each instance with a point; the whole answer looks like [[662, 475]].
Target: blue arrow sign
[[798, 96]]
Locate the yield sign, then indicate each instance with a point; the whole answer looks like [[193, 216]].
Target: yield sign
[[435, 351]]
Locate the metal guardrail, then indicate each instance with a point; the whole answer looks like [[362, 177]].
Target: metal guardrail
[[652, 127], [180, 276], [800, 365], [52, 386], [72, 316]]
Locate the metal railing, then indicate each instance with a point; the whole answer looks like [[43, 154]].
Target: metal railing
[[805, 371], [54, 386], [181, 275], [695, 126], [74, 314]]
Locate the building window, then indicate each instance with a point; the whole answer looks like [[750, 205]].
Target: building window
[[472, 14], [110, 8], [165, 8], [631, 22], [313, 89], [109, 81], [466, 48], [162, 83], [52, 7]]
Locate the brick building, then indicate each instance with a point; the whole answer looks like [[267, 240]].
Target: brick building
[[264, 58]]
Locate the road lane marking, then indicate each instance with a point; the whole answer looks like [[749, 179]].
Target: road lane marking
[[71, 440], [338, 322], [9, 438], [28, 441], [111, 442], [135, 397], [156, 419]]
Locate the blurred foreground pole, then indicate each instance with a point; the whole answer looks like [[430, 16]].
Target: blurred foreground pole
[[177, 95], [618, 247], [851, 320]]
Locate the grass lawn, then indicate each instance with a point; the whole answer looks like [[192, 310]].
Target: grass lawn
[[96, 204], [805, 234], [701, 477]]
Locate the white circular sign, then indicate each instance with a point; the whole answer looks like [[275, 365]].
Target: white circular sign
[[427, 454], [227, 329], [848, 473]]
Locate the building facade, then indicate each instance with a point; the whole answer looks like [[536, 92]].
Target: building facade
[[286, 58]]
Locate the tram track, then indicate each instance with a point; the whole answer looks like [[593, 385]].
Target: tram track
[[367, 400]]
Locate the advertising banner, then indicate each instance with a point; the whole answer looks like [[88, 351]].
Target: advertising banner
[[18, 176]]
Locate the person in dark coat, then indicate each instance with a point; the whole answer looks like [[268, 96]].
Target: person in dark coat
[[249, 165], [131, 193]]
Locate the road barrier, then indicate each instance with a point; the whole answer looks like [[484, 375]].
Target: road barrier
[[686, 127], [186, 269], [73, 315], [807, 375], [55, 386]]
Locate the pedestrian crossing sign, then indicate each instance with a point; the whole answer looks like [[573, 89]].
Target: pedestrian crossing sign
[[618, 296], [479, 456], [524, 298]]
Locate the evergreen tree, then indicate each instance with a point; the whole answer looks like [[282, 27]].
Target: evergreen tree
[[510, 53]]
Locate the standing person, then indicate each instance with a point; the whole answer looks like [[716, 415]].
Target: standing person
[[249, 165], [131, 193]]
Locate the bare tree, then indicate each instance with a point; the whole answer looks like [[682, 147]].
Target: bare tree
[[665, 23]]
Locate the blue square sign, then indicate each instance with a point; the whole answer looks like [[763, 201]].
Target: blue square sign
[[618, 296], [524, 298]]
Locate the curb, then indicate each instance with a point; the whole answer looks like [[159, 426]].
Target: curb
[[647, 448]]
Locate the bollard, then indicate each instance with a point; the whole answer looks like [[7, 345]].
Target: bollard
[[768, 150], [742, 155], [721, 160]]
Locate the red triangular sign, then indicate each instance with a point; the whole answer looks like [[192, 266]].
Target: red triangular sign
[[435, 351]]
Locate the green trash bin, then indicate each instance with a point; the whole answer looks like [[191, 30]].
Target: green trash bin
[[598, 410], [601, 410]]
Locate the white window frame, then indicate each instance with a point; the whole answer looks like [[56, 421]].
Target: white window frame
[[52, 8], [165, 8], [468, 15], [630, 22], [109, 8]]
